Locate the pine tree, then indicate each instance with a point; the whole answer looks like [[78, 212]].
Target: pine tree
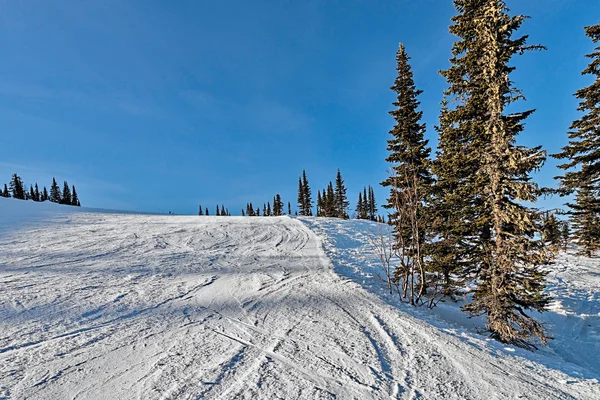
[[243, 214], [265, 210], [55, 193], [359, 206], [5, 193], [372, 205], [200, 211], [493, 178], [289, 208], [45, 196], [586, 222], [217, 211], [37, 193], [341, 199], [16, 187], [75, 198], [32, 193], [223, 212], [583, 153], [308, 203], [301, 197], [257, 211], [66, 194], [277, 205], [319, 204], [206, 212]]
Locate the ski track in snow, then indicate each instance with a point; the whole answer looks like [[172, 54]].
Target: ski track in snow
[[98, 305]]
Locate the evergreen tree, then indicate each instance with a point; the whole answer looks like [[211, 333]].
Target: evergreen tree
[[319, 204], [586, 222], [66, 194], [45, 196], [200, 210], [217, 211], [583, 153], [308, 203], [360, 207], [223, 212], [265, 210], [490, 174], [341, 199], [75, 198], [243, 214], [277, 205], [551, 234], [55, 193], [289, 208], [301, 197], [36, 193], [372, 205], [206, 212], [16, 187], [5, 193], [257, 211], [32, 193]]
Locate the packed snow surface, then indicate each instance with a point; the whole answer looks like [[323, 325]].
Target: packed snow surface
[[95, 305]]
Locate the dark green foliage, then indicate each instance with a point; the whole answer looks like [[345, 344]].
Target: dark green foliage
[[5, 192], [55, 193], [277, 205], [32, 193], [289, 208], [45, 196], [66, 194], [582, 156], [360, 207], [304, 196], [372, 205], [484, 177], [16, 187], [36, 193], [200, 210], [585, 222], [206, 212], [551, 233], [243, 213], [223, 212], [340, 197], [75, 198]]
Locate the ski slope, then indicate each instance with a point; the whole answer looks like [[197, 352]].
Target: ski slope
[[95, 305]]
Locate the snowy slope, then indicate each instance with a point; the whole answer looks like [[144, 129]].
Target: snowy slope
[[98, 305]]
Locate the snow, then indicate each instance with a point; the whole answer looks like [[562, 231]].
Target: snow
[[97, 305]]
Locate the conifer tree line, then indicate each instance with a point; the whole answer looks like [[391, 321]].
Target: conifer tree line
[[461, 214], [18, 190]]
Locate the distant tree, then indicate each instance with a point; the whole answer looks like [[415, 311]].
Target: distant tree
[[75, 198], [243, 213], [217, 211], [319, 204], [36, 193], [200, 211], [5, 192], [265, 210], [31, 193], [307, 196], [341, 199], [66, 194], [45, 196], [16, 187], [585, 222], [372, 205], [206, 212], [359, 206], [55, 194], [277, 205], [551, 234], [257, 211], [223, 212], [289, 208]]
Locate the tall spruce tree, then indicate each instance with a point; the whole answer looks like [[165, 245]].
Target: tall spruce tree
[[17, 188], [341, 198], [289, 208], [32, 193], [37, 193], [45, 196], [66, 194], [200, 210], [5, 192], [408, 155], [372, 205], [301, 197], [360, 207], [494, 172], [308, 203], [75, 198], [583, 154], [55, 193]]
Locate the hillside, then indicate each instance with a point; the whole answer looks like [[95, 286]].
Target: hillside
[[102, 305]]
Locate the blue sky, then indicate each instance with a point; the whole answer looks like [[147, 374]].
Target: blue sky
[[160, 106]]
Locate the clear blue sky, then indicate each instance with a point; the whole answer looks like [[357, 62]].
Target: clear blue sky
[[160, 106]]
